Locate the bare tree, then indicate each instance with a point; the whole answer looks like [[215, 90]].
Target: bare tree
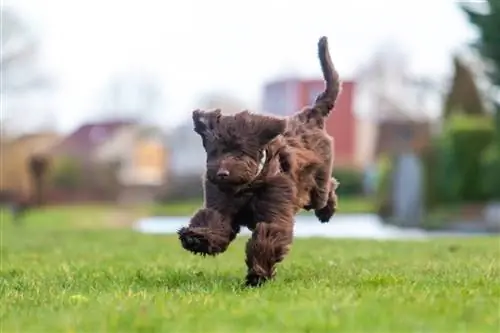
[[21, 73], [18, 60], [220, 100], [386, 84], [131, 95]]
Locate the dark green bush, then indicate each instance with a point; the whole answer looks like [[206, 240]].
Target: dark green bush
[[441, 176], [447, 176], [490, 171], [466, 138], [66, 174], [384, 184], [351, 181], [429, 158]]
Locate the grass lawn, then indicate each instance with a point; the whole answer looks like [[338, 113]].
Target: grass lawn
[[346, 205], [68, 276]]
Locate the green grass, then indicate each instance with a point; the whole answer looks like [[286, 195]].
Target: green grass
[[68, 276], [346, 205]]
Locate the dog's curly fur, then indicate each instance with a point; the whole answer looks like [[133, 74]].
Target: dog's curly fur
[[260, 171]]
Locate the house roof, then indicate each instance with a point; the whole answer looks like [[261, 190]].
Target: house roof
[[33, 137], [394, 133], [34, 143], [89, 136]]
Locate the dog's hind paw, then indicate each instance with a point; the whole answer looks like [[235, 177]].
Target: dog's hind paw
[[307, 207], [325, 214]]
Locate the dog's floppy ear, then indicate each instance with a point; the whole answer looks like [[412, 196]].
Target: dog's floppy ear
[[270, 128], [205, 121], [200, 121]]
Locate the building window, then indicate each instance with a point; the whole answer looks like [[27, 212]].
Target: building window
[[275, 99], [405, 133], [313, 92]]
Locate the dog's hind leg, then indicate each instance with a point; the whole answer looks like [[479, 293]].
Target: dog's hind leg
[[325, 214], [319, 194], [209, 232]]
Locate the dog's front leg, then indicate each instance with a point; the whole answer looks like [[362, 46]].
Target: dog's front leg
[[209, 232], [273, 233]]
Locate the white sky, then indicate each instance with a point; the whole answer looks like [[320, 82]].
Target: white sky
[[198, 46]]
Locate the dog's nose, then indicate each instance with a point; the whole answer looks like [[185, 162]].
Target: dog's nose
[[222, 173]]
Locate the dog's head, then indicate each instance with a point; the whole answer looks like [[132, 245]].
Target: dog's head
[[236, 145]]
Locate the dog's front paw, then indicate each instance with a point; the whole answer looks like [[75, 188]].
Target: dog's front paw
[[195, 241], [307, 207], [202, 240], [254, 280]]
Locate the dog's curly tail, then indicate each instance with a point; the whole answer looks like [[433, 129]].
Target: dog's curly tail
[[326, 100]]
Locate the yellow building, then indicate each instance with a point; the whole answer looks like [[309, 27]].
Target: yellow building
[[14, 162]]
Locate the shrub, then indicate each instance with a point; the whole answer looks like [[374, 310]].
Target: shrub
[[66, 174], [180, 188], [384, 184], [429, 158], [105, 178], [446, 186], [440, 174], [351, 181], [490, 171], [469, 136]]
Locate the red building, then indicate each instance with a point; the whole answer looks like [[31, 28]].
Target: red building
[[286, 97]]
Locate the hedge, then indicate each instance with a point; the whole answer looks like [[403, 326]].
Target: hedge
[[490, 171], [384, 185], [351, 181], [469, 137]]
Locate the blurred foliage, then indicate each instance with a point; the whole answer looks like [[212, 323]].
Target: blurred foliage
[[458, 165], [38, 167], [490, 170], [346, 205], [497, 125], [469, 137], [66, 174], [182, 188], [461, 165], [73, 175], [105, 178], [351, 181], [446, 187], [429, 157], [384, 185], [488, 44]]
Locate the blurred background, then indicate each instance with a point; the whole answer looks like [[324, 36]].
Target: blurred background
[[96, 101]]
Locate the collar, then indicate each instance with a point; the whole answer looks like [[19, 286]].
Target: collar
[[262, 163], [249, 187]]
